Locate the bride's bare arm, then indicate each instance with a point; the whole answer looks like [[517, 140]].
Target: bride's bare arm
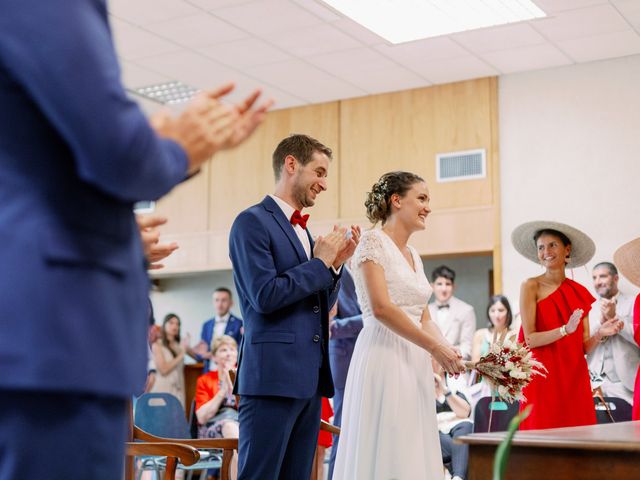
[[396, 320], [447, 354]]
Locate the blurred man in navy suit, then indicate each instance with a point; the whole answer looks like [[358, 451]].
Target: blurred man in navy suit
[[223, 323], [75, 154], [344, 330]]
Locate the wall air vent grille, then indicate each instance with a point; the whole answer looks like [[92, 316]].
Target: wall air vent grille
[[467, 165]]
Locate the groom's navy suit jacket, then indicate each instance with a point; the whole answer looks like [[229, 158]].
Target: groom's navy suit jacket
[[285, 299]]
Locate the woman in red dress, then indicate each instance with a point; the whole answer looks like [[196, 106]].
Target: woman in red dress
[[627, 259], [555, 325]]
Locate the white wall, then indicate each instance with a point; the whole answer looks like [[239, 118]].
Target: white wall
[[570, 152]]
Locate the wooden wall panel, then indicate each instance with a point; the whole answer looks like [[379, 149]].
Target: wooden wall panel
[[187, 206], [405, 130], [369, 136]]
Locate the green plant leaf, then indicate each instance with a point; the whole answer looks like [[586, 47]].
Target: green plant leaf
[[502, 453]]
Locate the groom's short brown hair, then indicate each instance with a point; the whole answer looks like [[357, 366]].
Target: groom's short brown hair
[[300, 146]]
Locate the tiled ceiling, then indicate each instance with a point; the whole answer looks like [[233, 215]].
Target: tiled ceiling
[[302, 52]]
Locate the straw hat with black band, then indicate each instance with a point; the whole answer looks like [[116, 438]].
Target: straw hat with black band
[[627, 260], [582, 247]]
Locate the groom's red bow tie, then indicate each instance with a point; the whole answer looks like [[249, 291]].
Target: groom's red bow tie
[[298, 219]]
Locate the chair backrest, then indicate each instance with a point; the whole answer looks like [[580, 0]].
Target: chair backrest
[[162, 415], [193, 420], [620, 410], [502, 414]]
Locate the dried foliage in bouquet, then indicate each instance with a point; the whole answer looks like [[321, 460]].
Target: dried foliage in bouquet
[[508, 367]]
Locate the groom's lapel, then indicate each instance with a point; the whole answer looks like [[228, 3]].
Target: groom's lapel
[[272, 207], [311, 242]]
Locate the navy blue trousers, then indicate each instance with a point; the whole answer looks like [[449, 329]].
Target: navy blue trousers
[[59, 436], [278, 437]]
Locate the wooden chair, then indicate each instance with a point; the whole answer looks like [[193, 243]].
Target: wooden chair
[[175, 453], [325, 426], [140, 437]]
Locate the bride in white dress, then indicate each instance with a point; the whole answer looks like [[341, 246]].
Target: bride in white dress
[[389, 427]]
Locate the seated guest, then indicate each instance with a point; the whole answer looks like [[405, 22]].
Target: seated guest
[[216, 408], [453, 412], [223, 323], [168, 356]]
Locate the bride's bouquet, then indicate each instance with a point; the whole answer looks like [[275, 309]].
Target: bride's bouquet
[[508, 367]]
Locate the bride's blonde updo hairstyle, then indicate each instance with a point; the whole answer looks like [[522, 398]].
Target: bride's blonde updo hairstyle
[[378, 202]]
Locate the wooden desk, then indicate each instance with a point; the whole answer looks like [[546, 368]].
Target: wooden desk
[[191, 373], [595, 452]]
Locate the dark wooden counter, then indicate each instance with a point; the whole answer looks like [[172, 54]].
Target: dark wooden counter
[[607, 451]]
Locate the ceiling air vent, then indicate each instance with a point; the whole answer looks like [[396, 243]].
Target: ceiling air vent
[[467, 165]]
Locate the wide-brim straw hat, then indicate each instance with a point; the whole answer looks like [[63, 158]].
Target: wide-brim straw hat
[[627, 260], [582, 247]]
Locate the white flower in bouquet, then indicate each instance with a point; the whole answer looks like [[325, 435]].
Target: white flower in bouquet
[[508, 367]]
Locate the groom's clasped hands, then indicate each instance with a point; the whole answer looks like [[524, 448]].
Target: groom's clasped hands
[[337, 247]]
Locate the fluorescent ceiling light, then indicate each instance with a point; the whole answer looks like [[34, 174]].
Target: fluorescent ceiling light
[[169, 93], [401, 21]]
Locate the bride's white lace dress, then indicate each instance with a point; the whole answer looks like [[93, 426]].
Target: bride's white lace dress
[[389, 427]]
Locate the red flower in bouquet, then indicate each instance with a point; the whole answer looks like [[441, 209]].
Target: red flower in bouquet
[[508, 367]]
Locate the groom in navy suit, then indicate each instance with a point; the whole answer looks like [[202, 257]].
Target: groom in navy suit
[[286, 284]]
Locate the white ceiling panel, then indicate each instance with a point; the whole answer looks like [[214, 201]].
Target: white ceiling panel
[[357, 31], [302, 51], [617, 44], [245, 86], [412, 53], [302, 80], [268, 16], [315, 40], [143, 12], [501, 38], [247, 52], [193, 69], [197, 30], [454, 69], [319, 9], [134, 75], [213, 4], [581, 23], [133, 42], [631, 11], [527, 58], [369, 70], [555, 6]]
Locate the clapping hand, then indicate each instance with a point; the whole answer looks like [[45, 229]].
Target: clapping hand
[[327, 248], [610, 327], [574, 320], [608, 309], [353, 238], [185, 342], [226, 386], [207, 126], [154, 251]]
